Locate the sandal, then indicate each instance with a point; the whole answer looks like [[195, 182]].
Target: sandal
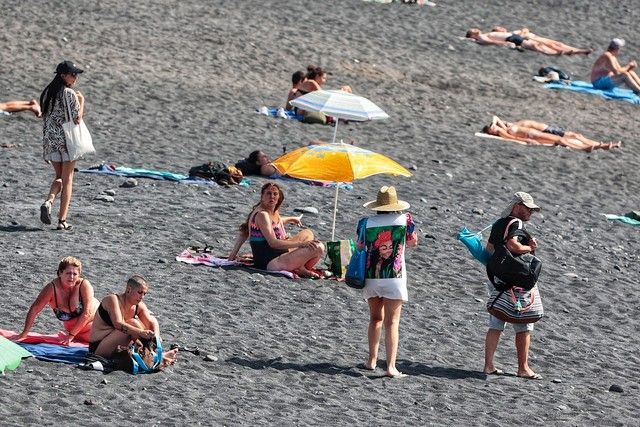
[[63, 225]]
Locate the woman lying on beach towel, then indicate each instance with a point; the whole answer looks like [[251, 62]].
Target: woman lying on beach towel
[[537, 133], [272, 249], [124, 317], [71, 298]]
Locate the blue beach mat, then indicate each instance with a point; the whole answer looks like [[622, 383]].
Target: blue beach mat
[[56, 353], [584, 87], [11, 354], [273, 112]]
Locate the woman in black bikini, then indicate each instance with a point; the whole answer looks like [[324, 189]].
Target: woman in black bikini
[[71, 298], [124, 317]]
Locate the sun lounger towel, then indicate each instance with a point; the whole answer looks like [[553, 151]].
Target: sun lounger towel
[[622, 218], [279, 112], [112, 169], [56, 353], [11, 354], [36, 338], [190, 256], [615, 93], [486, 135]]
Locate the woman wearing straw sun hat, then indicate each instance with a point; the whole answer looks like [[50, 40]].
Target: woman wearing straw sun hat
[[385, 237]]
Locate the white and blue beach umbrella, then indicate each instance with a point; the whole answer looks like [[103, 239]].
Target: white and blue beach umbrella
[[341, 105]]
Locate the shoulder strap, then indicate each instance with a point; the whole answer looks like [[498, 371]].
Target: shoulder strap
[[506, 230], [363, 232], [55, 295]]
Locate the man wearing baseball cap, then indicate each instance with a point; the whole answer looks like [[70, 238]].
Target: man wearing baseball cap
[[510, 231], [607, 73]]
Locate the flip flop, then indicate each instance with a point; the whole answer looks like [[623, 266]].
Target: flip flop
[[495, 372], [531, 377], [397, 376]]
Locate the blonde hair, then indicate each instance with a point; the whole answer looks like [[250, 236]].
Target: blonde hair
[[137, 281], [67, 261]]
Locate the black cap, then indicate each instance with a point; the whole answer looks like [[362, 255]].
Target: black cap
[[68, 67]]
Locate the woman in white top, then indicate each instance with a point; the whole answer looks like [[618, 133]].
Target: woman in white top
[[386, 236]]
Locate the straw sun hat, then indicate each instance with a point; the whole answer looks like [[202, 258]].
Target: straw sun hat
[[387, 201]]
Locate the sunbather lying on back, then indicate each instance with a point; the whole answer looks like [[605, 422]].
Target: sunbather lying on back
[[537, 133], [559, 47], [521, 41]]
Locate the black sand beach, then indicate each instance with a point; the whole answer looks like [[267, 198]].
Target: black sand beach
[[170, 85]]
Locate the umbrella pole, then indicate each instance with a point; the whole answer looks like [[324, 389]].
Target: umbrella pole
[[335, 210], [335, 131]]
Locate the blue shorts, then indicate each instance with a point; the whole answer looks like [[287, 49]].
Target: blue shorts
[[603, 83]]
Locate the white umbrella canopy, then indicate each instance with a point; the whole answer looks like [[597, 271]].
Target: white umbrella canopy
[[341, 105]]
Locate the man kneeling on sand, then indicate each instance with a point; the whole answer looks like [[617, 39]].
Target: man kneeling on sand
[[607, 73]]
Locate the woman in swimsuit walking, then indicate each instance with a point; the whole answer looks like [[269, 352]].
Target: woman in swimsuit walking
[[537, 133], [271, 247], [71, 298], [122, 318]]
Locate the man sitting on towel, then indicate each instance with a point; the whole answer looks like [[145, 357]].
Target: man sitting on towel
[[607, 73]]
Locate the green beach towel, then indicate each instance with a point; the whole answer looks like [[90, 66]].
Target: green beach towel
[[11, 354], [623, 218]]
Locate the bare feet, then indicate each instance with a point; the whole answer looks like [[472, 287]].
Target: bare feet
[[309, 274], [35, 108], [394, 373], [169, 358]]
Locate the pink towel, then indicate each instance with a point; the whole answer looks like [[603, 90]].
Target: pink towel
[[36, 338]]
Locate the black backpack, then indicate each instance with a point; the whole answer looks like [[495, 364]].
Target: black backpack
[[208, 170], [520, 271]]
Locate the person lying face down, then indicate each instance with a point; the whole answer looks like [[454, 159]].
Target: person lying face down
[[537, 133], [257, 163]]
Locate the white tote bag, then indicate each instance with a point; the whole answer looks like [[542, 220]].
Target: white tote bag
[[78, 138]]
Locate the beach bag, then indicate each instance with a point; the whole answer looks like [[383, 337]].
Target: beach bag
[[339, 254], [355, 275], [141, 356], [78, 139], [516, 305], [513, 270], [218, 172]]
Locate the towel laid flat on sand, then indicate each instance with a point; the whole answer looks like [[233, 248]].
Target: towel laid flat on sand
[[50, 347], [279, 112], [11, 354], [486, 135], [584, 87], [36, 338], [190, 256], [57, 353], [111, 169]]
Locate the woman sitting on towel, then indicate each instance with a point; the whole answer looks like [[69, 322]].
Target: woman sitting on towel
[[71, 298], [272, 249], [124, 317], [537, 133], [316, 78]]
